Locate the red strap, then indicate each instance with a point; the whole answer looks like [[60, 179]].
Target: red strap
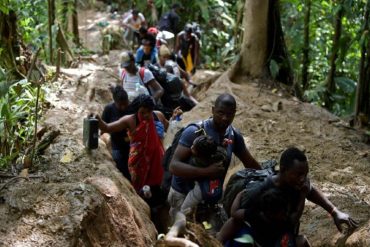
[[141, 73], [123, 75]]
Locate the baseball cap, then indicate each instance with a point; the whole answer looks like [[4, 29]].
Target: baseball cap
[[188, 28], [153, 30], [164, 51], [126, 58]]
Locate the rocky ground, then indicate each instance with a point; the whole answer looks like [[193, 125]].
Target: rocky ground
[[80, 198]]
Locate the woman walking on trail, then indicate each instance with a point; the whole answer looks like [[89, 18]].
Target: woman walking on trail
[[144, 128]]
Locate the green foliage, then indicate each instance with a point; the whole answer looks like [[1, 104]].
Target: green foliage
[[321, 33], [31, 20], [274, 68], [16, 119]]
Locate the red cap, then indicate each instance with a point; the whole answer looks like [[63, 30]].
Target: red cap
[[153, 30]]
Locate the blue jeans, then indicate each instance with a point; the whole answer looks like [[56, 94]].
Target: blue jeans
[[121, 159]]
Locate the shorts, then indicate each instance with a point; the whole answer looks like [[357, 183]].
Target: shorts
[[175, 199]]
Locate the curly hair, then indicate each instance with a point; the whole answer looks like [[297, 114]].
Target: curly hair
[[119, 94], [142, 100], [205, 145]]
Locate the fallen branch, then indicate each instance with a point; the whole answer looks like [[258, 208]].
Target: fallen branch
[[45, 142], [112, 75], [83, 76], [62, 42], [12, 180], [7, 175], [33, 63]]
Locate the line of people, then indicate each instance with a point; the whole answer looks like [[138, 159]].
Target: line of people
[[272, 208], [184, 43], [203, 152]]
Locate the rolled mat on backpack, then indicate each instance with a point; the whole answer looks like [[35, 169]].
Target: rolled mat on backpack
[[188, 60]]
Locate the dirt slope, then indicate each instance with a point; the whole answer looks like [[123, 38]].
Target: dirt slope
[[339, 159]]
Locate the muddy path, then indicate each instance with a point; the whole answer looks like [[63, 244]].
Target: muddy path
[[271, 120], [81, 199]]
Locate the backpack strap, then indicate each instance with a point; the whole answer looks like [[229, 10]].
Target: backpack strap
[[141, 74], [155, 116], [123, 75]]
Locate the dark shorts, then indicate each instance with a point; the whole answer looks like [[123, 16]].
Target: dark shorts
[[121, 159], [285, 240]]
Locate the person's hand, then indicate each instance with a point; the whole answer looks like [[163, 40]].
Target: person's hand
[[94, 115], [215, 170], [343, 218], [176, 112]]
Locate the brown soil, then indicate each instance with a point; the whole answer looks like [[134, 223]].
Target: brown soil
[[82, 199]]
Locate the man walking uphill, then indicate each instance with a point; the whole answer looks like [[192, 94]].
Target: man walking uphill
[[220, 129]]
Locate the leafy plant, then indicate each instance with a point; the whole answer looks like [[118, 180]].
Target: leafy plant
[[17, 120], [320, 33]]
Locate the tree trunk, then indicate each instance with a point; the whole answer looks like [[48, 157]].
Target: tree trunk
[[51, 19], [253, 54], [362, 108], [330, 83], [64, 17], [10, 45], [76, 36], [277, 47], [263, 41], [306, 45]]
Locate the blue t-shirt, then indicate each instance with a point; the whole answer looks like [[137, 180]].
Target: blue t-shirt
[[183, 185], [143, 59]]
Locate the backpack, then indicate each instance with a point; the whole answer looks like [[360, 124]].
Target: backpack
[[167, 177], [196, 29], [171, 84], [243, 178], [165, 22]]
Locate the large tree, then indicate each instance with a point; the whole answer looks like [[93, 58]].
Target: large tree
[[263, 43], [10, 46], [362, 109]]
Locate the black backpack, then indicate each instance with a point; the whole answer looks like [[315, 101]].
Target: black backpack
[[165, 22], [167, 177], [243, 178], [172, 86]]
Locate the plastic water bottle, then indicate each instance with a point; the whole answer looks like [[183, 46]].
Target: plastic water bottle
[[137, 87], [146, 191], [174, 126]]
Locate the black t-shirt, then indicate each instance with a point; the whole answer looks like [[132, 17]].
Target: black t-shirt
[[250, 201], [169, 22], [111, 114]]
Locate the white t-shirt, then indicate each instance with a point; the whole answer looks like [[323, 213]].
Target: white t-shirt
[[134, 85], [129, 20]]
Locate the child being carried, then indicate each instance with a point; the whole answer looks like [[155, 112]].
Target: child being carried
[[205, 152]]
